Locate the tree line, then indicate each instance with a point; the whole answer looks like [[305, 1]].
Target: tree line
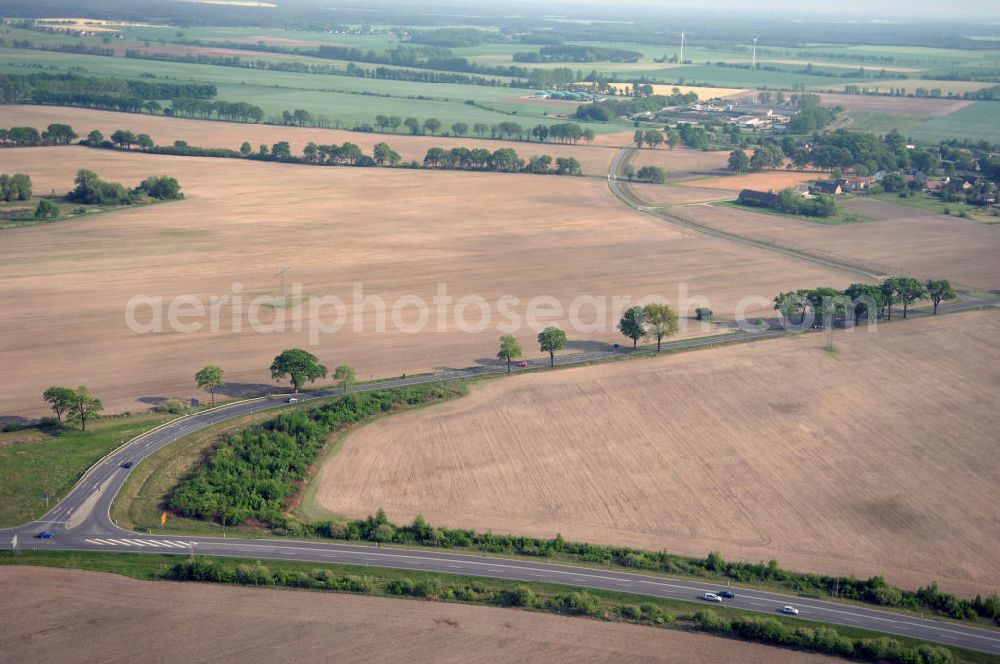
[[655, 320], [54, 134], [349, 154], [862, 300], [294, 66], [577, 53], [503, 160]]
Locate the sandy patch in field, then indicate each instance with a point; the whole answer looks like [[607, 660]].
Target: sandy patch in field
[[878, 459], [65, 285], [594, 160], [901, 240], [763, 181], [78, 616]]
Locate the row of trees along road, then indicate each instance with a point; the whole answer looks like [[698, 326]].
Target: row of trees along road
[[654, 320], [864, 299]]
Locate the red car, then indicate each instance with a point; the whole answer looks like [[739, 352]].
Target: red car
[[522, 364]]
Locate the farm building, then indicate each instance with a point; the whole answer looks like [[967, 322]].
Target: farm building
[[767, 199], [827, 187]]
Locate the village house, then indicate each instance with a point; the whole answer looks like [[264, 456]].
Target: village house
[[827, 187]]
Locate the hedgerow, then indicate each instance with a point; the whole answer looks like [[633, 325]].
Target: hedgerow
[[251, 474]]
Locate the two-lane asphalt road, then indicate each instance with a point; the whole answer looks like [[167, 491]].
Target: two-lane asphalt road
[[82, 522]]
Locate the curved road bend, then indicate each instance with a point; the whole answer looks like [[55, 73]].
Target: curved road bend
[[81, 522]]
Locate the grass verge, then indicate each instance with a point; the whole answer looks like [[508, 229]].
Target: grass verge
[[609, 606], [38, 461]]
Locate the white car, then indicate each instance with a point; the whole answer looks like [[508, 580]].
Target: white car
[[791, 610], [291, 400], [711, 597]]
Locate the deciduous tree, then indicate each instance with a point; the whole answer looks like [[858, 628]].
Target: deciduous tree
[[509, 349], [84, 407], [662, 321], [939, 290], [344, 375], [550, 340], [210, 378], [433, 125], [299, 366], [910, 290], [738, 161], [60, 399], [633, 325], [867, 300]]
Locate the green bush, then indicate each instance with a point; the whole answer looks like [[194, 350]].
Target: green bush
[[576, 603], [46, 209], [518, 596]]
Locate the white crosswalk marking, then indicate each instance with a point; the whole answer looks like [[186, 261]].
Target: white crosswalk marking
[[166, 544]]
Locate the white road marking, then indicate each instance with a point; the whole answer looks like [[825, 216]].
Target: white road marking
[[167, 544]]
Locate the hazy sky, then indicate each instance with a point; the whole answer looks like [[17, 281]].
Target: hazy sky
[[984, 11]]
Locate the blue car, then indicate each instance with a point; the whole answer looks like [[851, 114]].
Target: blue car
[[46, 534]]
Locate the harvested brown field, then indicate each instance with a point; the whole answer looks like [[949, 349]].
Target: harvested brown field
[[763, 181], [66, 616], [594, 160], [879, 458], [679, 194], [681, 163], [395, 232], [899, 240], [924, 107]]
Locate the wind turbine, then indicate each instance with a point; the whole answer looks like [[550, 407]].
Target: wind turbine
[[682, 49], [753, 65]]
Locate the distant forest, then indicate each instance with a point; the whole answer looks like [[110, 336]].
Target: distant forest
[[618, 23]]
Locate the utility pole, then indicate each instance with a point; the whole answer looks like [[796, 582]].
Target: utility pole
[[280, 274]]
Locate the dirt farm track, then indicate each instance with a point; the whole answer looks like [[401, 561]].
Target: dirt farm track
[[879, 458], [71, 616]]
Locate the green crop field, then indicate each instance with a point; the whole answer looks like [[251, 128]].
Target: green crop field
[[344, 99], [978, 121], [881, 123]]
